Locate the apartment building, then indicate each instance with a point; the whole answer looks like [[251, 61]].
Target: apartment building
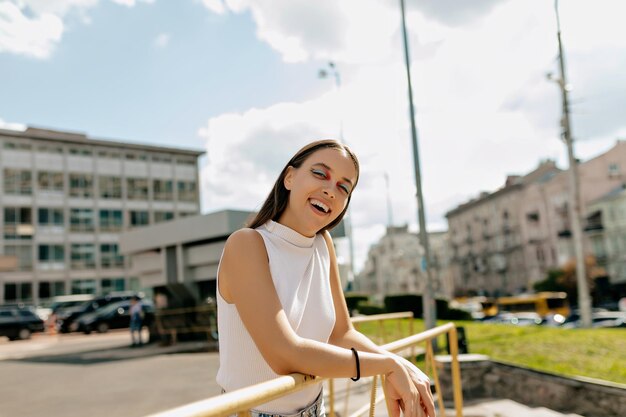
[[65, 199], [394, 265], [606, 230], [505, 241]]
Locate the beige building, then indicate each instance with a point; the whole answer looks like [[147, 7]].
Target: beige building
[[184, 251], [65, 199], [505, 241], [394, 265], [606, 230]]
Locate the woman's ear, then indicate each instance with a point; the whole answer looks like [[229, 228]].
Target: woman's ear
[[288, 181]]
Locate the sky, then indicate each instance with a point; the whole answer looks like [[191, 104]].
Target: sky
[[239, 79]]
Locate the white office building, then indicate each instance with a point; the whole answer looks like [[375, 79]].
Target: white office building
[[65, 199]]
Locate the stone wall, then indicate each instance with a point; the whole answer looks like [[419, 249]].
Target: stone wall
[[484, 378]]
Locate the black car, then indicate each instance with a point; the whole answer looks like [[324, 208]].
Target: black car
[[66, 318], [113, 316], [19, 322]]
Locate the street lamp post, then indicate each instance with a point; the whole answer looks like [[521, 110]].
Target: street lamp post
[[347, 219], [584, 301], [430, 312]]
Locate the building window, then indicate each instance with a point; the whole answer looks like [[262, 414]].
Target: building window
[[20, 291], [18, 223], [185, 161], [50, 217], [186, 213], [163, 190], [83, 256], [112, 284], [187, 191], [139, 218], [110, 187], [51, 257], [110, 256], [137, 188], [111, 220], [51, 289], [613, 170], [50, 181], [83, 286], [18, 182], [23, 254], [161, 158], [81, 220], [163, 216], [109, 154], [80, 151], [50, 149], [81, 185], [17, 146]]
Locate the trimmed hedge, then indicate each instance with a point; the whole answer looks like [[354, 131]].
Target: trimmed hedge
[[413, 302], [353, 299], [370, 309]]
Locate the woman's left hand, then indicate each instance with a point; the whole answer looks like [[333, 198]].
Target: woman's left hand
[[422, 383]]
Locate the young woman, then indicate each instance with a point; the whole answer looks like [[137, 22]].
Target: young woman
[[280, 302]]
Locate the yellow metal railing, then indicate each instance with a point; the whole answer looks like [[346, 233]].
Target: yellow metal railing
[[241, 401]]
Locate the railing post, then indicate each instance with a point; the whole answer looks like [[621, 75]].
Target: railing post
[[456, 372], [331, 397]]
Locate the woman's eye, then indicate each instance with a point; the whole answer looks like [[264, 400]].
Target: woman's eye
[[319, 173], [345, 188]]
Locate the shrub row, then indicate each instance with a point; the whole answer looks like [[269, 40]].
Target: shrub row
[[403, 302]]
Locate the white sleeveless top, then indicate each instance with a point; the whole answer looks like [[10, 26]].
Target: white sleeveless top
[[300, 268]]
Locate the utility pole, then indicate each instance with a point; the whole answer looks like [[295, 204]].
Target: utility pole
[[584, 301], [430, 312]]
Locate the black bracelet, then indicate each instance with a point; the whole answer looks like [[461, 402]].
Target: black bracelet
[[358, 365]]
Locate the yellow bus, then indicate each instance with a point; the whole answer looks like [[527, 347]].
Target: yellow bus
[[543, 303], [479, 307]]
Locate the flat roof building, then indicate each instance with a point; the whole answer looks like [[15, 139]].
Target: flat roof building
[[65, 198]]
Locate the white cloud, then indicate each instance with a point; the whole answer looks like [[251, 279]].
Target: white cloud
[[12, 126], [162, 40], [34, 27], [35, 37], [132, 3], [484, 106]]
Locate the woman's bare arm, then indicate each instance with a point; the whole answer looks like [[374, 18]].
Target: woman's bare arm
[[245, 280]]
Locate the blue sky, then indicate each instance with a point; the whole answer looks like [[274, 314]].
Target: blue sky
[[108, 78], [238, 78]]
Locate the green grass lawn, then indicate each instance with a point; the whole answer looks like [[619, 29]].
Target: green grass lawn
[[593, 353]]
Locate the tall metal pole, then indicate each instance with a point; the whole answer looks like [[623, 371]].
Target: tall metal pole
[[389, 208], [584, 301], [430, 313]]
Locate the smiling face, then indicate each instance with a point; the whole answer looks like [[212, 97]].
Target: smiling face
[[319, 190]]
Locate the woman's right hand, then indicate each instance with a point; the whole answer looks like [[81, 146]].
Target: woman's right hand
[[401, 393]]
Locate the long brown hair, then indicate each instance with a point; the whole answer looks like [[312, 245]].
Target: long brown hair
[[277, 200]]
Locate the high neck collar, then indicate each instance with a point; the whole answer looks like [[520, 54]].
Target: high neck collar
[[289, 234]]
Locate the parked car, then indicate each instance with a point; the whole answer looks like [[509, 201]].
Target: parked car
[[19, 322], [519, 319], [112, 316], [598, 319], [66, 318]]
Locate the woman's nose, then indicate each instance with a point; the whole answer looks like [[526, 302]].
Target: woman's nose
[[329, 193]]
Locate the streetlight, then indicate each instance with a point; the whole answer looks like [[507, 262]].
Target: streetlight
[[584, 301], [331, 70]]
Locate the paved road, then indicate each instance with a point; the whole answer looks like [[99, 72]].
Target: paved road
[[99, 375]]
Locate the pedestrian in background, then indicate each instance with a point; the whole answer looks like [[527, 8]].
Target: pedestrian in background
[[136, 320]]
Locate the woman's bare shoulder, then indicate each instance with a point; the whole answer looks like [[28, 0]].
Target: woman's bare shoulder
[[247, 242]]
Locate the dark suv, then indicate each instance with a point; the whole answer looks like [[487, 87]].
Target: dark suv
[[19, 322], [66, 318], [113, 316]]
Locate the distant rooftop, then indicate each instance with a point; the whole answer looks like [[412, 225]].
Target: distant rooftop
[[83, 139]]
